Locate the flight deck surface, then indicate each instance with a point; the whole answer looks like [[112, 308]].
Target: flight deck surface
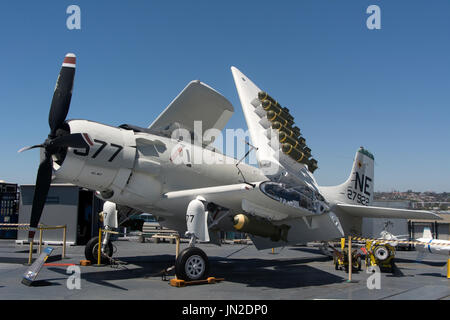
[[291, 273]]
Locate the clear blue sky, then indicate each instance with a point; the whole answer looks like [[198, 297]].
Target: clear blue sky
[[347, 86]]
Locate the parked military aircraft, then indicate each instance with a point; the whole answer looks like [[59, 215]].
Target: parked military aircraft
[[434, 246], [173, 172], [424, 245]]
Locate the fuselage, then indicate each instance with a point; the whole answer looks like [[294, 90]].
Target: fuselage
[[137, 168]]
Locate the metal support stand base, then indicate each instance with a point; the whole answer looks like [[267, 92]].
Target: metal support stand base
[[182, 283]]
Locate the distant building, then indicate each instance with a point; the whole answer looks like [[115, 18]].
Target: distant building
[[66, 204]]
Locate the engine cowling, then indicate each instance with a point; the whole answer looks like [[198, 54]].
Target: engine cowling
[[105, 165]]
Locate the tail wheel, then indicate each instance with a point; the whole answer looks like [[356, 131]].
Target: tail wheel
[[192, 264], [91, 251]]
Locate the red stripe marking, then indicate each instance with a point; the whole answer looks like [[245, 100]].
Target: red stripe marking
[[69, 60], [86, 137]]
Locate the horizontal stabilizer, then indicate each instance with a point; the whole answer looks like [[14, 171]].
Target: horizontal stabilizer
[[380, 212]]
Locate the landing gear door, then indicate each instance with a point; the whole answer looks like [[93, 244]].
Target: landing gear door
[[197, 220]]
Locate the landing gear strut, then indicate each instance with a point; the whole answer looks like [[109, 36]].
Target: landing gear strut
[[109, 219]]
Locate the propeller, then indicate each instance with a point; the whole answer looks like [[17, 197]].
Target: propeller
[[56, 119]]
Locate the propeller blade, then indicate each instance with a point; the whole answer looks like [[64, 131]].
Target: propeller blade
[[32, 147], [43, 180], [62, 95], [75, 140]]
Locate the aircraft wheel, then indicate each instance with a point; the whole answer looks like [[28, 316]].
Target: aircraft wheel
[[359, 263], [381, 253], [192, 264], [91, 251]]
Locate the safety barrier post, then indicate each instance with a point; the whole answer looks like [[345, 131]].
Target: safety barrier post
[[19, 226], [30, 254], [99, 245], [40, 240], [448, 268], [64, 242], [350, 259], [177, 240]]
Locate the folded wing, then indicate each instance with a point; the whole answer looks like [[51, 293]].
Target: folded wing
[[281, 152], [197, 102]]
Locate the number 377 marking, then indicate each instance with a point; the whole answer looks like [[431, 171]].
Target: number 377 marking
[[103, 144]]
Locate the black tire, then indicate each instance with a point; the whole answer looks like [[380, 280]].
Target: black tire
[[381, 253], [91, 251], [359, 263], [192, 264]]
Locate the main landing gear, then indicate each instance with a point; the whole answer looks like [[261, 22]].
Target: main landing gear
[[91, 251], [192, 263], [109, 219]]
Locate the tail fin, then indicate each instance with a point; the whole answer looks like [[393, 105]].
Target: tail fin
[[359, 187], [427, 233]]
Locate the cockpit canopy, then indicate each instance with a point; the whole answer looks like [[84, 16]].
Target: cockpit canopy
[[298, 197]]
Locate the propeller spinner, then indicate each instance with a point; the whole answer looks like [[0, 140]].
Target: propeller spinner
[[56, 119]]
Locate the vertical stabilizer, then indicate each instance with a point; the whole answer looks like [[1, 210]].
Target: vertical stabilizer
[[359, 187], [427, 233]]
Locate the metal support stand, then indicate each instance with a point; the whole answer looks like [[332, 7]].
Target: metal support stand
[[30, 254], [177, 249], [182, 283], [64, 242], [41, 234], [99, 249], [40, 241]]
